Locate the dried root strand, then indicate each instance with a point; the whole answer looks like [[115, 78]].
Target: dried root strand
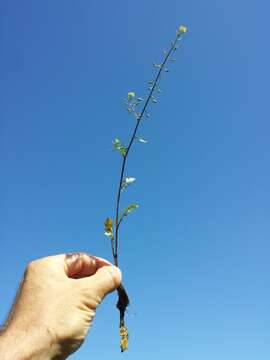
[[122, 304], [124, 338]]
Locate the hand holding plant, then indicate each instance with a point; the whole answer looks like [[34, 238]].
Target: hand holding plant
[[138, 107]]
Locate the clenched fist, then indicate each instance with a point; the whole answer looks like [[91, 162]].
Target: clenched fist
[[55, 306]]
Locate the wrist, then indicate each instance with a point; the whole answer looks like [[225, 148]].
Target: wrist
[[27, 344]]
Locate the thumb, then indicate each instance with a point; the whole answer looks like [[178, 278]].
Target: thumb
[[106, 279]]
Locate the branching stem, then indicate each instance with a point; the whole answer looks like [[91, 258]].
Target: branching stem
[[117, 222], [123, 300]]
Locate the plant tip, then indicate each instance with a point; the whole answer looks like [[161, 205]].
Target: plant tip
[[182, 29]]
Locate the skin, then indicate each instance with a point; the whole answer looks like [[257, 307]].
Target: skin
[[55, 306]]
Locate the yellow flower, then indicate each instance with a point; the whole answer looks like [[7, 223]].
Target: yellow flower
[[131, 94], [182, 29]]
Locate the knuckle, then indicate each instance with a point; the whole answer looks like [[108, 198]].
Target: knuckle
[[32, 266], [115, 279]]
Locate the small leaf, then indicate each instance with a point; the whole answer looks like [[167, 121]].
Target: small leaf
[[140, 99], [123, 150], [164, 52], [129, 209], [127, 182], [137, 116], [154, 99], [142, 140], [117, 145], [167, 70], [156, 65], [108, 226], [147, 114], [108, 223], [130, 180]]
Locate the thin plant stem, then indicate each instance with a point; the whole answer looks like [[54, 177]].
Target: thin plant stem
[[123, 300], [117, 222]]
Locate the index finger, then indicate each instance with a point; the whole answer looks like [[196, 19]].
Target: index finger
[[79, 265]]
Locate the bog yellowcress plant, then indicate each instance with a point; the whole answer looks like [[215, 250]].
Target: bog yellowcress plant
[[138, 107]]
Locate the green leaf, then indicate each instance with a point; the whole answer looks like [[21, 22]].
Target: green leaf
[[129, 209], [123, 150], [117, 145]]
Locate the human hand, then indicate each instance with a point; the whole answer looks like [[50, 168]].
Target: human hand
[[55, 306]]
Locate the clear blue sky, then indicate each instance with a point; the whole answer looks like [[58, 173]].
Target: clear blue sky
[[195, 256]]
